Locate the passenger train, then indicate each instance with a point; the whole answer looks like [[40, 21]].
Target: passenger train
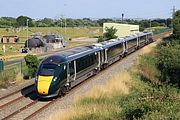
[[58, 73]]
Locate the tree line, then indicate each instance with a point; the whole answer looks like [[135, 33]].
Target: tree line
[[21, 21]]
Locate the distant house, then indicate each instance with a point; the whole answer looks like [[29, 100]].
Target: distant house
[[9, 39]]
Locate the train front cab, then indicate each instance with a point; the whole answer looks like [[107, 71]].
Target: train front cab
[[50, 78]]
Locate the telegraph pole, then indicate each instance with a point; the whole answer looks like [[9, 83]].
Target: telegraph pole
[[174, 10], [27, 30], [150, 24]]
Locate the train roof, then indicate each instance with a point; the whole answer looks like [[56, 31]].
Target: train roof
[[144, 33], [70, 54], [78, 52], [128, 38], [85, 50], [109, 43], [112, 42]]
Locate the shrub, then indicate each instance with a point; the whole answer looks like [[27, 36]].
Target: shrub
[[169, 63], [32, 63]]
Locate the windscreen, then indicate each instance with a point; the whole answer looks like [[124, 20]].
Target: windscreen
[[47, 70]]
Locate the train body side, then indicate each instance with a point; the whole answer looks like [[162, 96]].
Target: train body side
[[66, 70]]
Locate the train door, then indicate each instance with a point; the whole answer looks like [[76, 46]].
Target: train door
[[126, 47], [106, 55], [147, 40], [102, 56], [72, 71], [99, 60], [137, 42]]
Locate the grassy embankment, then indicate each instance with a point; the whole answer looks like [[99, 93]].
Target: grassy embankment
[[133, 94]]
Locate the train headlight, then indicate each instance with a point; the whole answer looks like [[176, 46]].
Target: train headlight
[[54, 80], [36, 78]]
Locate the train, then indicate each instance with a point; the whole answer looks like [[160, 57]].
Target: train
[[59, 73]]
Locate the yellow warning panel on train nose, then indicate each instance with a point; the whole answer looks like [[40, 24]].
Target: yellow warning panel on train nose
[[44, 83]]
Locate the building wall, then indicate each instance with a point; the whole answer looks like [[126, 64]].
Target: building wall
[[8, 39], [122, 29], [11, 40], [4, 40]]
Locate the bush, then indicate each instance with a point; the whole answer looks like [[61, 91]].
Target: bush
[[169, 62], [151, 103], [32, 63]]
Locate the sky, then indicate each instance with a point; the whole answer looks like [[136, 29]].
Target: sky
[[39, 9]]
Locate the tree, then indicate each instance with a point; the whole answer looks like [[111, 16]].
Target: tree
[[109, 34], [176, 23], [32, 64], [22, 21]]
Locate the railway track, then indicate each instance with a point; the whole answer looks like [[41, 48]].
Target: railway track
[[35, 106], [8, 103]]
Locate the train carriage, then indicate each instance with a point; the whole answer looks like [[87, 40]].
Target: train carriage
[[131, 44], [113, 50], [56, 74], [144, 38]]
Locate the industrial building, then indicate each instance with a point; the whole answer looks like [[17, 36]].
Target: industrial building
[[122, 29]]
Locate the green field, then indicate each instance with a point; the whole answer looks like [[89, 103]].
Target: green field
[[70, 32]]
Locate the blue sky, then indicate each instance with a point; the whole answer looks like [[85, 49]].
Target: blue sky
[[88, 8]]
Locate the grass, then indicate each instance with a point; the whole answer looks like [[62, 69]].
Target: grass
[[70, 32], [99, 103], [11, 49], [14, 74]]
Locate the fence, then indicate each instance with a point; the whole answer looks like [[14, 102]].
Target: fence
[[13, 73], [1, 65], [161, 30]]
